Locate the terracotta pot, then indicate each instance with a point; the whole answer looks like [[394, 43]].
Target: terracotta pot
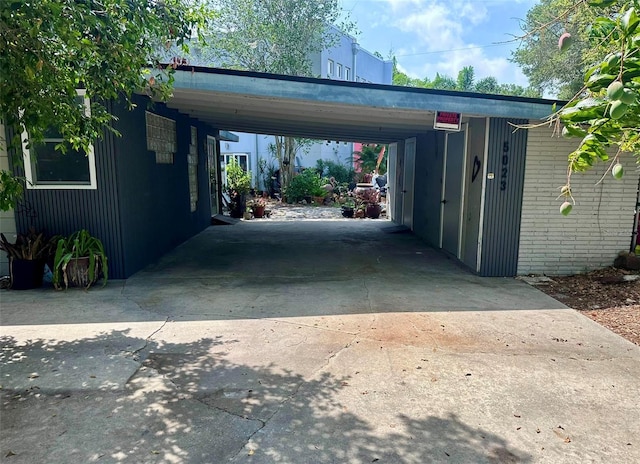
[[373, 211], [258, 211], [25, 273]]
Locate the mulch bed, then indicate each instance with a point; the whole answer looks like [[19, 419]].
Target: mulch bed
[[604, 296]]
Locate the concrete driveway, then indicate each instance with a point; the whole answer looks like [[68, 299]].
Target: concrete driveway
[[311, 342]]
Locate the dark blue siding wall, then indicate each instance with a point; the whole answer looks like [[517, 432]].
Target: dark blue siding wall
[[428, 186], [154, 198], [503, 198], [140, 209], [65, 211]]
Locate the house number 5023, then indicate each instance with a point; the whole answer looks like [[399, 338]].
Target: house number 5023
[[505, 166]]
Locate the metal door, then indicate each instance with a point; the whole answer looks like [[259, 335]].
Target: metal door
[[408, 181], [452, 192]]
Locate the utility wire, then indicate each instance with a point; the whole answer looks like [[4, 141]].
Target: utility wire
[[456, 49]]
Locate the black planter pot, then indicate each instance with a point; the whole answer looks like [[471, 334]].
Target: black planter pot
[[26, 274], [237, 205], [347, 212]]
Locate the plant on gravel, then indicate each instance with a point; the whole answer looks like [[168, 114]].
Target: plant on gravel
[[306, 184]]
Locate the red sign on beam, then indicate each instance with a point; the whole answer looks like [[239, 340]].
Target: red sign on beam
[[445, 120]]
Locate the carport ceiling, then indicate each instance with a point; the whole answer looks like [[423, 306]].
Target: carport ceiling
[[327, 109]]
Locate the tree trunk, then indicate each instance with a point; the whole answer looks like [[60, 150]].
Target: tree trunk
[[285, 152]]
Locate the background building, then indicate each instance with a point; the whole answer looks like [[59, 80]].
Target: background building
[[345, 61]]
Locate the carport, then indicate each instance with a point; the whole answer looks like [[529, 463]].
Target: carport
[[460, 191]]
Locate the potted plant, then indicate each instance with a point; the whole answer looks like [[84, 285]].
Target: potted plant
[[238, 185], [318, 194], [79, 261], [348, 209], [258, 206], [370, 198], [27, 257]]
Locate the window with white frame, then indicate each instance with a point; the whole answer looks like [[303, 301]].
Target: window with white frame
[[48, 168], [347, 74], [339, 71], [330, 67]]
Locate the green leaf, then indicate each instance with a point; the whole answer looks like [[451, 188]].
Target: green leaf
[[630, 21], [598, 82], [601, 3], [574, 115], [573, 131]]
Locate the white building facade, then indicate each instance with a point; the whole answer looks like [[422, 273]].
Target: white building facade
[[345, 61]]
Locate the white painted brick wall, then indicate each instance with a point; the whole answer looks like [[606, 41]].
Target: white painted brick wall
[[600, 224], [7, 218]]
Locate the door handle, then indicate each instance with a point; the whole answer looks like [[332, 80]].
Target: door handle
[[444, 202]]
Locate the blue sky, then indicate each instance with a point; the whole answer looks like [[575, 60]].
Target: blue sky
[[429, 36]]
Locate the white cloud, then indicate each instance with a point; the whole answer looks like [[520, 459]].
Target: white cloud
[[435, 29], [429, 36], [438, 23]]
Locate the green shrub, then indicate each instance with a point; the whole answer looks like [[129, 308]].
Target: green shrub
[[307, 183], [238, 180], [343, 174]]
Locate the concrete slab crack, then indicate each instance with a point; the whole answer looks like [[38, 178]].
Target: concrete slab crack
[[231, 413], [146, 340], [133, 355], [263, 423]]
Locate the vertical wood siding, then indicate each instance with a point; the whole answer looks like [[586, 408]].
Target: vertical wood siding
[[503, 198], [428, 186], [154, 198], [140, 209], [65, 211]]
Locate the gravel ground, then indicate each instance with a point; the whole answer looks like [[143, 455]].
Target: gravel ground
[[285, 212]]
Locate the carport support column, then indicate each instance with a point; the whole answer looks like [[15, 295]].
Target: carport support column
[[485, 172]]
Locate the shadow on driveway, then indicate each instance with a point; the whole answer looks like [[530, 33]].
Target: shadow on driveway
[[311, 342]]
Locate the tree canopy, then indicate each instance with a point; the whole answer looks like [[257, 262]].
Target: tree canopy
[[465, 81], [110, 48], [276, 36], [606, 112], [50, 48], [550, 70]]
